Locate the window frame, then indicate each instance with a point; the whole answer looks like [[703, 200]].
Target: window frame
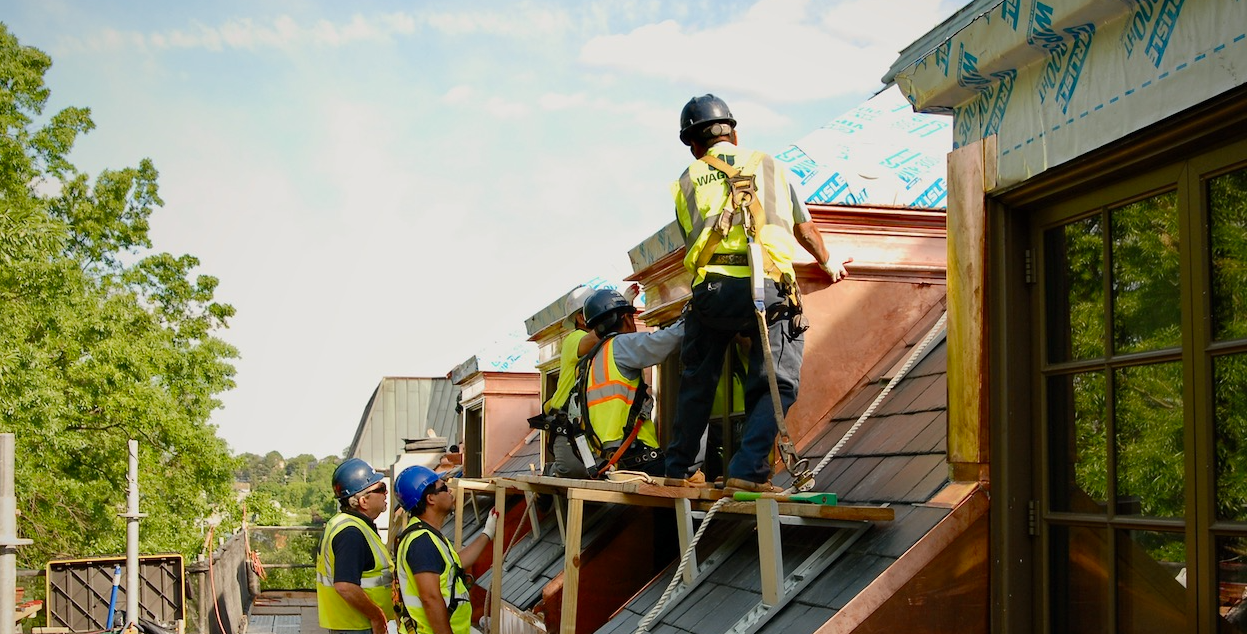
[[1188, 175]]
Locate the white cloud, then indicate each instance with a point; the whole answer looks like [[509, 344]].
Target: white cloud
[[458, 94], [506, 109], [528, 22], [779, 51], [558, 101], [285, 32]]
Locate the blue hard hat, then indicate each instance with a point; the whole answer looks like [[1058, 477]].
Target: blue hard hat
[[603, 303], [352, 476], [410, 485]]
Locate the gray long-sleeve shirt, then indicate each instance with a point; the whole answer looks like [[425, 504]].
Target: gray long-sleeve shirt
[[636, 351]]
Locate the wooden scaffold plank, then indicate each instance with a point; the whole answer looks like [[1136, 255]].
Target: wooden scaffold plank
[[571, 564]]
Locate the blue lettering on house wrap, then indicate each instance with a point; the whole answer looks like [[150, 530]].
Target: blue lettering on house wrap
[[1137, 24], [845, 126], [856, 198], [799, 163], [1051, 71], [1040, 33], [929, 127], [942, 54], [900, 158], [933, 195], [1001, 103], [1162, 30], [1009, 12], [1082, 36], [829, 190], [968, 71], [914, 170], [983, 115]]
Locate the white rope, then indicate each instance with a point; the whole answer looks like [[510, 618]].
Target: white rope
[[643, 625], [914, 355]]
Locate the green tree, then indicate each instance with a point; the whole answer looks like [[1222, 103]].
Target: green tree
[[101, 340]]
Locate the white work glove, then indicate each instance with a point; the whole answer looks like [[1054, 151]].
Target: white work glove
[[834, 267], [631, 292], [491, 524]]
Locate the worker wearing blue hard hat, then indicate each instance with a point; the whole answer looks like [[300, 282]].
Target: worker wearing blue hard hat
[[432, 580], [353, 568]]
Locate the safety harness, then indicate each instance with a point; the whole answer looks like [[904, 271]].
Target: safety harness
[[747, 210], [457, 574], [632, 426]]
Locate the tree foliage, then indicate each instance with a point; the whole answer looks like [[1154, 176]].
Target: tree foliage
[[102, 340], [302, 486], [297, 491]]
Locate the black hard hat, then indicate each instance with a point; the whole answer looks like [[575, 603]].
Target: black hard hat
[[352, 476], [602, 304], [700, 111]]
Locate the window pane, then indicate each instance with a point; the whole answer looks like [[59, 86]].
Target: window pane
[[1227, 211], [1078, 442], [1074, 256], [1079, 581], [1146, 310], [1147, 404], [1151, 579], [1232, 583], [1230, 420]]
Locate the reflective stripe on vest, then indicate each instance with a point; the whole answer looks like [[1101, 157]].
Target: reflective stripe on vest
[[610, 395], [701, 195], [334, 612], [451, 584]]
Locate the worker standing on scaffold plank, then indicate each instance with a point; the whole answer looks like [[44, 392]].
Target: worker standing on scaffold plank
[[741, 223]]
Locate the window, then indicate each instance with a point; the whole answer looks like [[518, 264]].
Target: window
[[1143, 391]]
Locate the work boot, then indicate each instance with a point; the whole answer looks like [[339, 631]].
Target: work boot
[[740, 484]]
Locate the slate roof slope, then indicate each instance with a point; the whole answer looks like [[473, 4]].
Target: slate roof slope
[[531, 564], [517, 461], [897, 456]]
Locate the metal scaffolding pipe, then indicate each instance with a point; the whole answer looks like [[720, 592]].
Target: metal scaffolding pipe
[[8, 537], [132, 537]]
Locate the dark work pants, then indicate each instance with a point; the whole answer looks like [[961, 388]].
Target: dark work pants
[[721, 308]]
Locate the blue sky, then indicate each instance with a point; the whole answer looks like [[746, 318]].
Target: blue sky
[[387, 188]]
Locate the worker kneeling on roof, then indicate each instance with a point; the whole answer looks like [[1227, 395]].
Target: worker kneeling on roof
[[431, 583], [611, 400]]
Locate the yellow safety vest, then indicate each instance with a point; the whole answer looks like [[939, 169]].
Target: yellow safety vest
[[567, 370], [452, 584], [335, 613], [701, 195], [609, 395]]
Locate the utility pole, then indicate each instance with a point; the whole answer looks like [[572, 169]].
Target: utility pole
[[132, 515], [9, 540]]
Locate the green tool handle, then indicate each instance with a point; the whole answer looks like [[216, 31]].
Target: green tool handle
[[826, 499]]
